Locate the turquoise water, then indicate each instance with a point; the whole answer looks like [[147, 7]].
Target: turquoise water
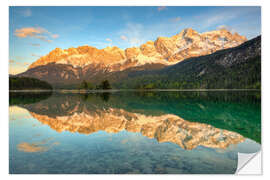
[[132, 132]]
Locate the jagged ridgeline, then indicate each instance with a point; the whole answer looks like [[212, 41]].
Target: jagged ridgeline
[[234, 68], [216, 60]]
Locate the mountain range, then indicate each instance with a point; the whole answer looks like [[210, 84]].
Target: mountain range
[[187, 52]]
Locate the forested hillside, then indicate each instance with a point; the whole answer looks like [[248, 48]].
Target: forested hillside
[[235, 68], [25, 83]]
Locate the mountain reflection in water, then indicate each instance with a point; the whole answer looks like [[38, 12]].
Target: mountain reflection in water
[[237, 112], [208, 129], [165, 128]]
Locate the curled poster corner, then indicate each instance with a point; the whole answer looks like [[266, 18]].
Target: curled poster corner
[[249, 164]]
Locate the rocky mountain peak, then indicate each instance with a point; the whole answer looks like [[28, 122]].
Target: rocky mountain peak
[[164, 50], [188, 32]]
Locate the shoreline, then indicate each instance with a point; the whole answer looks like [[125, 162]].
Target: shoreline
[[133, 90]]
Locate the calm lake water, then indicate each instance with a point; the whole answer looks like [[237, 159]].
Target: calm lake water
[[132, 132]]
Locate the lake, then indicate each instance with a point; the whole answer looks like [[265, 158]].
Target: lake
[[133, 132]]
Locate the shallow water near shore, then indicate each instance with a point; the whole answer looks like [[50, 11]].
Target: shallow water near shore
[[141, 132]]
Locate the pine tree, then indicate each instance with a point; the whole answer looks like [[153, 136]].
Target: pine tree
[[105, 85]]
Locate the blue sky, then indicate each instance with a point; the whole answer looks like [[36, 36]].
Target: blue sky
[[35, 31]]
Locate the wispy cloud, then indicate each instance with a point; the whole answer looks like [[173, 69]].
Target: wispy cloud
[[223, 15], [18, 63], [26, 12], [100, 44], [40, 146], [175, 20], [16, 67], [161, 8], [232, 30], [108, 39], [124, 38], [133, 33], [55, 36], [35, 32], [35, 55], [35, 44], [216, 19], [29, 32], [43, 38]]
